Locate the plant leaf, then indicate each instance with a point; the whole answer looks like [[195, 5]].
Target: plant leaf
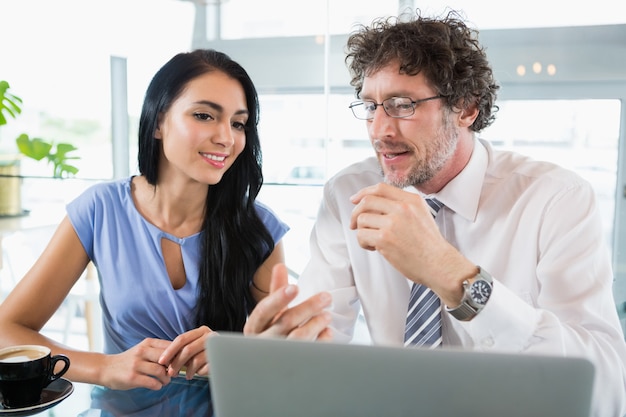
[[9, 103], [65, 148], [65, 168], [35, 148]]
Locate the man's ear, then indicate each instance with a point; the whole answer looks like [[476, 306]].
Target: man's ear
[[467, 116]]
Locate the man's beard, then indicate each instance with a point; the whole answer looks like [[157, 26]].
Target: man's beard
[[431, 164]]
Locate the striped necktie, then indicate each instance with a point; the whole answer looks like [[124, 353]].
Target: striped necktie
[[423, 321]]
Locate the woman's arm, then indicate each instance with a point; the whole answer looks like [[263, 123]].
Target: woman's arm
[[261, 281], [37, 297]]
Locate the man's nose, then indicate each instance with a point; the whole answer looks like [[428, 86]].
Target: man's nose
[[381, 125]]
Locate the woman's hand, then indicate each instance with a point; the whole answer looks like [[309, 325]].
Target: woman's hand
[[187, 351], [138, 367], [272, 317]]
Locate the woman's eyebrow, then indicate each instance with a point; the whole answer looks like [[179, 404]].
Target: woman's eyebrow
[[219, 108]]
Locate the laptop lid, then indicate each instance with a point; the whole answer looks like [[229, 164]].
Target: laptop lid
[[278, 377]]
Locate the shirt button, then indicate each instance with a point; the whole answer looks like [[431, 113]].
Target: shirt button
[[488, 342]]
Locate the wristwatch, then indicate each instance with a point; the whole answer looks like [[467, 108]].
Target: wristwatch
[[475, 295]]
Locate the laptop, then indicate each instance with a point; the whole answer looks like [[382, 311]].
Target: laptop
[[252, 376]]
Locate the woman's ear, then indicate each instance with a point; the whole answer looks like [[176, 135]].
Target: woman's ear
[[157, 131]]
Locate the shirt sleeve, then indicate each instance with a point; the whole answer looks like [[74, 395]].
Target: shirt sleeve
[[574, 314], [329, 268], [81, 213]]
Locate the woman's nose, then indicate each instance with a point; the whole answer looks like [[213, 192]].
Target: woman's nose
[[224, 134]]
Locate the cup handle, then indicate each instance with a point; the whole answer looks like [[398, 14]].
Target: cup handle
[[53, 361]]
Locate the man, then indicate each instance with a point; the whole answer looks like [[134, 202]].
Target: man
[[508, 251]]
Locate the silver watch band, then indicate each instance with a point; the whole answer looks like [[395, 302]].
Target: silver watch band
[[469, 308], [463, 312]]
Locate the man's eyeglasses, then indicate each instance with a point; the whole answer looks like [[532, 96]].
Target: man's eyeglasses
[[397, 107]]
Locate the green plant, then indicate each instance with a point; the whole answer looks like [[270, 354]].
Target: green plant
[[9, 103], [36, 148], [39, 149]]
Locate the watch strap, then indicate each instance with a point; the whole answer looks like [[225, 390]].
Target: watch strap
[[464, 311], [468, 309]]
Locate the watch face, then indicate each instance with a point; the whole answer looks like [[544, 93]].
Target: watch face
[[480, 292]]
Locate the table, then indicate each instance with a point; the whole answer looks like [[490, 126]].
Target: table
[[179, 398]]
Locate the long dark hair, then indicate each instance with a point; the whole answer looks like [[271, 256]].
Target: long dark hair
[[235, 241]]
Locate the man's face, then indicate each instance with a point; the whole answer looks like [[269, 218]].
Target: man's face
[[411, 150]]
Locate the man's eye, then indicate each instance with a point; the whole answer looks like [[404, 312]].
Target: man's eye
[[369, 107], [402, 105]]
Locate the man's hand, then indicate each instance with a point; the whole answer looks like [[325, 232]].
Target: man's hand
[[273, 318], [399, 225]]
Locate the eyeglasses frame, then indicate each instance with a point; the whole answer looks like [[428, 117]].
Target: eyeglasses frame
[[414, 104]]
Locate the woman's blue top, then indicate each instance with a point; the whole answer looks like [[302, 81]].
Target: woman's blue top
[[136, 294]]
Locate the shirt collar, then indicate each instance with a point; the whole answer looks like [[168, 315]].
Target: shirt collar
[[462, 193]]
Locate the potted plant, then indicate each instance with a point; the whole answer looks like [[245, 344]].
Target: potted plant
[[35, 148], [39, 149]]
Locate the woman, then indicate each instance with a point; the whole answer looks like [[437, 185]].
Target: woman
[[182, 250]]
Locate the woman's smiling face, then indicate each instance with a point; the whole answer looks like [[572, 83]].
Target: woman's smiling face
[[203, 131]]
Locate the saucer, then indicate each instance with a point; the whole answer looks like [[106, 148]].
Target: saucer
[[53, 394]]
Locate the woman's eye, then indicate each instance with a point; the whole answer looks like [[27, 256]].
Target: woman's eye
[[203, 116], [239, 125]]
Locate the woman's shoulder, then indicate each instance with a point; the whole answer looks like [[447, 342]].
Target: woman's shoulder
[[265, 213], [271, 220], [105, 192], [263, 209], [110, 186]]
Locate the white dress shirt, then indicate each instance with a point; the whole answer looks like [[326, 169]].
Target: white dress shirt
[[535, 227]]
